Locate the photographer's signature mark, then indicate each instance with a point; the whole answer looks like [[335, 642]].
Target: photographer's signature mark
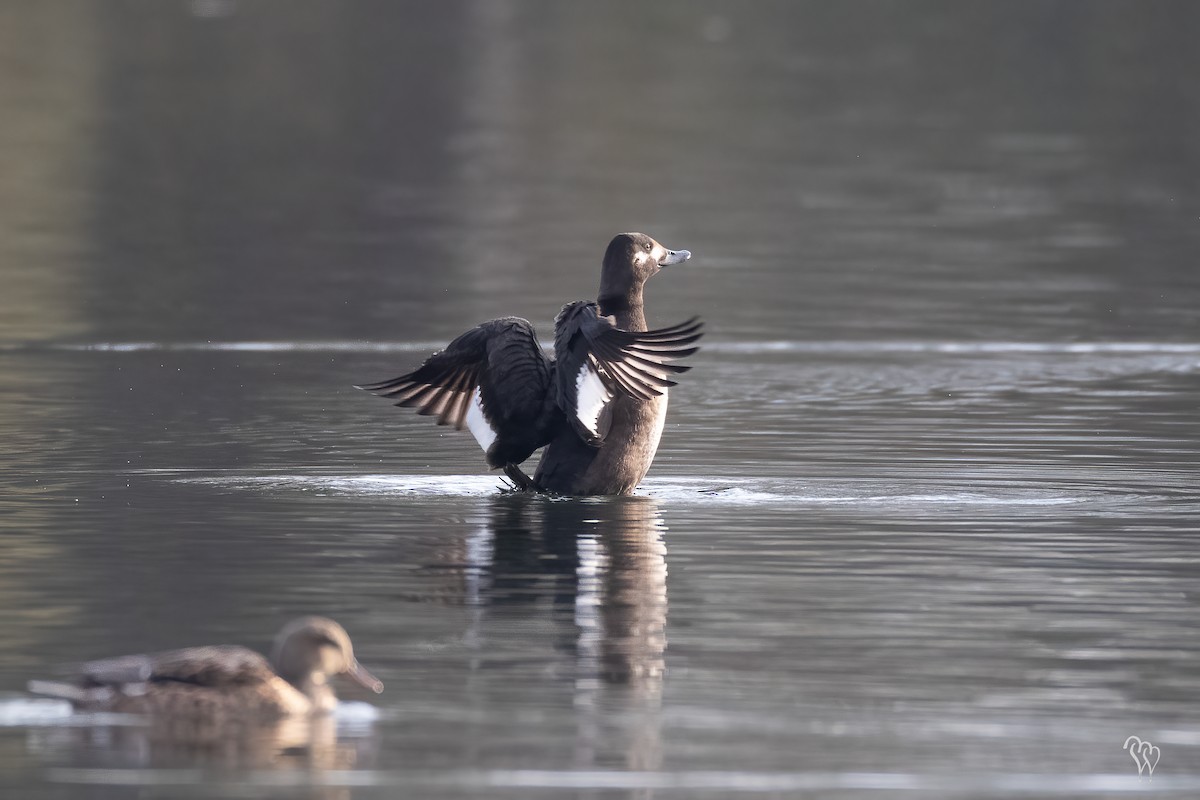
[[1144, 754]]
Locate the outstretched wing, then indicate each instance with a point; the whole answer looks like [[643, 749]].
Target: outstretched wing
[[493, 379], [596, 361], [443, 386], [221, 665]]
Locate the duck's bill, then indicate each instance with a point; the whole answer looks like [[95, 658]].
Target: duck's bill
[[364, 678], [675, 257]]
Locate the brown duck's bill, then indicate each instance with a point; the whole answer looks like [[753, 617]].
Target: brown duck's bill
[[364, 678]]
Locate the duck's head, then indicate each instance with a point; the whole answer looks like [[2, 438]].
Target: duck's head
[[310, 649], [631, 260]]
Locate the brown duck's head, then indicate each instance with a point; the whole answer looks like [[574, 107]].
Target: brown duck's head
[[632, 259], [309, 649]]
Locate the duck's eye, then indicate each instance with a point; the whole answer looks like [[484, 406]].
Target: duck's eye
[[648, 247]]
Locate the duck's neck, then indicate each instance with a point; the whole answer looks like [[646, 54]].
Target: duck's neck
[[316, 689], [627, 309]]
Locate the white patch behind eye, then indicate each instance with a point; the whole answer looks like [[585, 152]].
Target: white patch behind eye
[[640, 257], [478, 423], [591, 396]]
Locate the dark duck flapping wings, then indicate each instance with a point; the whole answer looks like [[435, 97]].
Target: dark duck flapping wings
[[496, 380]]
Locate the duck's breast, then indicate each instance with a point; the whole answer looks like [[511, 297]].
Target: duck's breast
[[629, 448]]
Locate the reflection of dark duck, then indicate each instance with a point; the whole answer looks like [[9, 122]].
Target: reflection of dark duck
[[222, 682], [602, 564], [598, 406]]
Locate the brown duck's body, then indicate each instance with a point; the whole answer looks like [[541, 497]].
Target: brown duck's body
[[197, 681], [272, 699], [223, 683]]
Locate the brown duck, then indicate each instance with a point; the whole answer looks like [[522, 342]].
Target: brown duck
[[222, 681]]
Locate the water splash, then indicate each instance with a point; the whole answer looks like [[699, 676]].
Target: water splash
[[691, 491]]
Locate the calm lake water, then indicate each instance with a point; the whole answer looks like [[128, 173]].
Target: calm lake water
[[926, 517]]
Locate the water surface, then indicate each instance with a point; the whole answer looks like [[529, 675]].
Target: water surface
[[924, 519]]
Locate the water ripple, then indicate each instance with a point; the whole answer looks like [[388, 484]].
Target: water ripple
[[719, 491], [764, 346], [977, 784]]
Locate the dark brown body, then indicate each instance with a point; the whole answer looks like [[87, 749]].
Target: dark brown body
[[598, 408], [571, 466]]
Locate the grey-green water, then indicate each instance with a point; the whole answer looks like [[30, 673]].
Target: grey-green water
[[924, 521]]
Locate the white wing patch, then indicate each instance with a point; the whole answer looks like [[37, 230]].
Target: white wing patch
[[591, 396], [477, 421]]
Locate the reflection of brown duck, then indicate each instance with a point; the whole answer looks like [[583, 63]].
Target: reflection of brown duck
[[222, 684], [297, 742]]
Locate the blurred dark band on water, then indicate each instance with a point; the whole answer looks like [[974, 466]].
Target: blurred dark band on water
[[924, 513], [336, 169]]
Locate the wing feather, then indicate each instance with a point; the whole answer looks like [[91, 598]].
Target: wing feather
[[501, 362], [631, 363], [456, 414], [220, 665]]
